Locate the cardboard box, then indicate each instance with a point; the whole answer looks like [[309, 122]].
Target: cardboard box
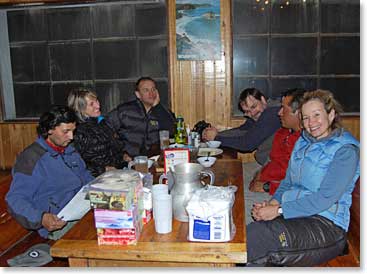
[[109, 236]]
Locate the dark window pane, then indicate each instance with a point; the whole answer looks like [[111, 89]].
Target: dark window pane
[[60, 91], [250, 56], [340, 55], [70, 61], [27, 25], [69, 23], [151, 20], [293, 56], [29, 63], [281, 85], [242, 83], [249, 17], [162, 87], [113, 20], [110, 95], [31, 100], [346, 91], [340, 16], [153, 57], [297, 17], [116, 59]]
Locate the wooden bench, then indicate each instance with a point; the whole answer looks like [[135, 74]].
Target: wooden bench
[[352, 258], [14, 239]]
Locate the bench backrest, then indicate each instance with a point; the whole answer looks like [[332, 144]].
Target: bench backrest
[[354, 226], [11, 231]]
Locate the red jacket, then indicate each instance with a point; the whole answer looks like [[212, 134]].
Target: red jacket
[[274, 171]]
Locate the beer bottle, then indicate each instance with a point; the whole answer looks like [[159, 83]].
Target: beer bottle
[[180, 135]]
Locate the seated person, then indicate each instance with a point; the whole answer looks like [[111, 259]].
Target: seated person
[[305, 222], [96, 142], [138, 122], [258, 130], [47, 174], [270, 175]]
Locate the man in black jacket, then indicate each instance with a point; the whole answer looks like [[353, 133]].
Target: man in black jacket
[[138, 122]]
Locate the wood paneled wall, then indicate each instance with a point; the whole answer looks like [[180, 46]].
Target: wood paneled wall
[[199, 90], [14, 138], [202, 89]]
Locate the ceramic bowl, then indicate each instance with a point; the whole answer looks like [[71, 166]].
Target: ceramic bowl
[[213, 144], [206, 161]]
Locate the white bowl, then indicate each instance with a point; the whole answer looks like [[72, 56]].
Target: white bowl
[[206, 161], [213, 144]]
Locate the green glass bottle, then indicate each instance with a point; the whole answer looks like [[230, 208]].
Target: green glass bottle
[[180, 135]]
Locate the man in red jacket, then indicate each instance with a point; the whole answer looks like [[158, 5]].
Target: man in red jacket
[[270, 175]]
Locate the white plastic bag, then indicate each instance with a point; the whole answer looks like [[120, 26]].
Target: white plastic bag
[[210, 214]]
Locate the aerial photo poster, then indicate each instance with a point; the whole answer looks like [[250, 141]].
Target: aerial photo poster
[[198, 30]]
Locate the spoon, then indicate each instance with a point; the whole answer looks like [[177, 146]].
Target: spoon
[[207, 157]]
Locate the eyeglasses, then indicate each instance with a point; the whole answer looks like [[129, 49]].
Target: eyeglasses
[[146, 90]]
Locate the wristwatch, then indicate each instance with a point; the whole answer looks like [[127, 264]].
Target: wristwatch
[[280, 210], [266, 187]]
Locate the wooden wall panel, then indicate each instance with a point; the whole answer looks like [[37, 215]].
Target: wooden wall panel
[[14, 138], [202, 89]]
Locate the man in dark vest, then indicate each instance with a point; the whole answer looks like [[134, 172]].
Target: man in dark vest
[[138, 122]]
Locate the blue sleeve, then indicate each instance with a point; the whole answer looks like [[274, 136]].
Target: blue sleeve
[[84, 172], [250, 139], [339, 175], [285, 185], [19, 200]]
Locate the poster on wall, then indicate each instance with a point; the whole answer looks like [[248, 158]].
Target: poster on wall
[[198, 30]]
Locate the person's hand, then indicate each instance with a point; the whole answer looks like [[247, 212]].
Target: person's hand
[[51, 222], [256, 186], [266, 213], [157, 99], [256, 207], [209, 133], [126, 157], [108, 168]]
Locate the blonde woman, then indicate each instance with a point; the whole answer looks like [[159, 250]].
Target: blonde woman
[[94, 139], [306, 221]]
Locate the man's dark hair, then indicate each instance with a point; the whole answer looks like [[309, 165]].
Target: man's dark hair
[[144, 79], [296, 94], [257, 94], [53, 118]]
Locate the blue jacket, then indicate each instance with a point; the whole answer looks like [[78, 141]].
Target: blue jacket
[[320, 178], [252, 134], [44, 181]]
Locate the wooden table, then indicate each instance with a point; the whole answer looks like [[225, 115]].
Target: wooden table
[[80, 246]]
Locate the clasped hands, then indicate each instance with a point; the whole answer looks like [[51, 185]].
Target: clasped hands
[[265, 211]]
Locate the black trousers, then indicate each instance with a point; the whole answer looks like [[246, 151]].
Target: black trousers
[[305, 241]]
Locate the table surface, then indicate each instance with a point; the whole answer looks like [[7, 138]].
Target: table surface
[[153, 249]]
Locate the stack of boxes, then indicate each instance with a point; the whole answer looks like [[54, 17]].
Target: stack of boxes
[[117, 199]]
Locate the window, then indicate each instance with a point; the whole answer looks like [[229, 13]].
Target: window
[[104, 46], [310, 44]]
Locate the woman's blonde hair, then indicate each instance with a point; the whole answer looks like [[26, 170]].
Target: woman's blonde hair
[[77, 100], [329, 102]]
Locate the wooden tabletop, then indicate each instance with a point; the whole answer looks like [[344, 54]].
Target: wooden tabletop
[[153, 249]]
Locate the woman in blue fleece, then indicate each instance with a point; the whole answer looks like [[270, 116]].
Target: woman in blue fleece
[[306, 221]]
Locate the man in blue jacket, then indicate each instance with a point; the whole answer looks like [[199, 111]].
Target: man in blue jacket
[[257, 132], [47, 174]]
